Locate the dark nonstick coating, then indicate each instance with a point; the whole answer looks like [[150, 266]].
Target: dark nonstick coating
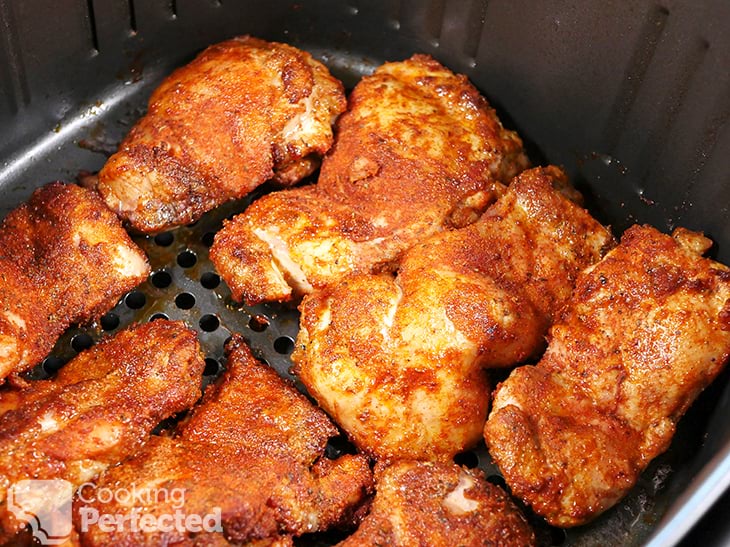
[[185, 286], [630, 97]]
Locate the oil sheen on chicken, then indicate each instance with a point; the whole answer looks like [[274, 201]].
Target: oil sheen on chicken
[[252, 453], [243, 112], [398, 362], [439, 505], [646, 330], [98, 410], [64, 259], [414, 154]]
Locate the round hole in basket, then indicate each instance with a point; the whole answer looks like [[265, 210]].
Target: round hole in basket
[[211, 367], [109, 321], [187, 259], [81, 341], [135, 300], [284, 345], [210, 280], [185, 300], [164, 239], [156, 316], [207, 239], [52, 364], [161, 279], [209, 322], [258, 323]]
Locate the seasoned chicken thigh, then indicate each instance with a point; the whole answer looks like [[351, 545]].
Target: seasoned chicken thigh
[[415, 154], [64, 259], [398, 362], [646, 330], [243, 112], [439, 505], [100, 408], [252, 453]]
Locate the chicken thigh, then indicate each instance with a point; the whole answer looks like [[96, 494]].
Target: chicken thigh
[[243, 112], [416, 153], [99, 409], [439, 505], [64, 259], [398, 362], [251, 456], [646, 330]]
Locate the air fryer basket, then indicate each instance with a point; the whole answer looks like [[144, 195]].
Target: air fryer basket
[[631, 97]]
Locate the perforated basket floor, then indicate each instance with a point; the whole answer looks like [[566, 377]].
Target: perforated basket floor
[[184, 286]]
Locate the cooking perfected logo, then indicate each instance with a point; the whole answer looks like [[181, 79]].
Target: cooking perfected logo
[[46, 507]]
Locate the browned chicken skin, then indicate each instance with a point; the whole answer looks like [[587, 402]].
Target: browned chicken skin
[[398, 362], [646, 330], [243, 112], [64, 259], [254, 449], [99, 409], [413, 155], [439, 505]]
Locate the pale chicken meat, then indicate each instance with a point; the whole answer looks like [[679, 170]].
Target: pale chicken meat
[[414, 154], [399, 362], [99, 409], [645, 331], [64, 259], [252, 453], [439, 505], [243, 112]]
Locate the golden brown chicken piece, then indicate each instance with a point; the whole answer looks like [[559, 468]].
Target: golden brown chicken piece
[[243, 112], [439, 505], [398, 362], [251, 454], [413, 155], [64, 258], [645, 331], [100, 408]]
